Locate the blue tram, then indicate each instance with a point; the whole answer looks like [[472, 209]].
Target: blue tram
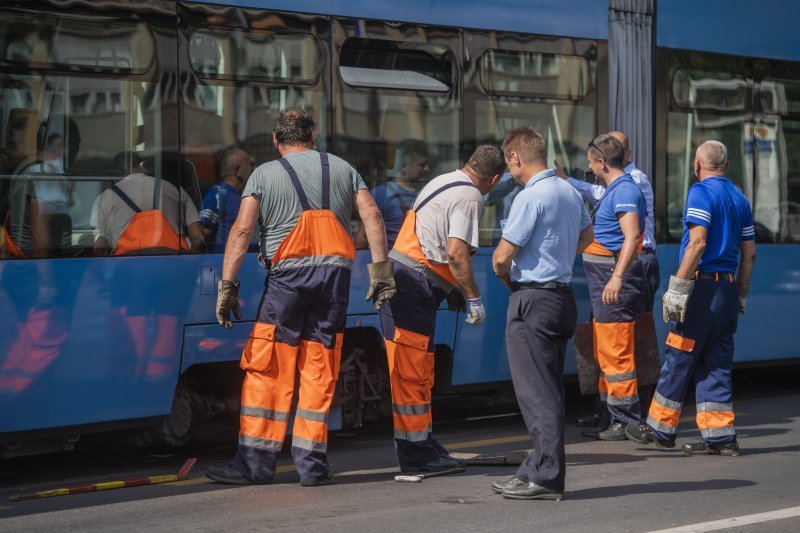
[[90, 92]]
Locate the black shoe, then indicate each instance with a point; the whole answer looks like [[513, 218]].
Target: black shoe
[[499, 486], [589, 422], [316, 481], [700, 447], [529, 490], [439, 465], [615, 431], [642, 434], [593, 432], [227, 474]]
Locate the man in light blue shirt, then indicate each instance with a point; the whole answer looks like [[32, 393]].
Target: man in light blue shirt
[[546, 227]]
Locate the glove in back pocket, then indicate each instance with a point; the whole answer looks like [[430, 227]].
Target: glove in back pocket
[[260, 348]]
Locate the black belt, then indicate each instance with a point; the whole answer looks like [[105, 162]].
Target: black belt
[[716, 276], [549, 285]]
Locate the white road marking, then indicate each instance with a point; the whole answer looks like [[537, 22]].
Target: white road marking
[[736, 521]]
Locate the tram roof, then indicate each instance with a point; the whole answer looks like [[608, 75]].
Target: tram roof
[[767, 28], [568, 18]]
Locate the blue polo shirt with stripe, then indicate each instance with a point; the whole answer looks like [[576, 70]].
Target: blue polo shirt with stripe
[[716, 204], [622, 196]]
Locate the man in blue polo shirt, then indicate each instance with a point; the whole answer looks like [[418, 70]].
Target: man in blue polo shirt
[[221, 203], [396, 196], [616, 283], [703, 304], [547, 225], [652, 273]]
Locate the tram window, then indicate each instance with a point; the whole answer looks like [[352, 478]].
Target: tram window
[[397, 107], [289, 57], [522, 73], [503, 89], [383, 64], [65, 141], [714, 102], [710, 90], [58, 42], [239, 82]]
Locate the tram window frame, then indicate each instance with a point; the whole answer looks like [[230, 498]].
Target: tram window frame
[[320, 63], [485, 64], [37, 21]]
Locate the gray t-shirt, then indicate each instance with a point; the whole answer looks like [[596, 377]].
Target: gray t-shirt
[[280, 205], [111, 215], [456, 212]]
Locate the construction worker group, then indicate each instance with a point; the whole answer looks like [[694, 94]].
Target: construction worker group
[[302, 205]]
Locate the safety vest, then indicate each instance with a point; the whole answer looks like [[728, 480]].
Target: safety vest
[[147, 230], [408, 250]]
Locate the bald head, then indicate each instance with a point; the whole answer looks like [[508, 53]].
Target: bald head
[[626, 147], [621, 137], [712, 158]]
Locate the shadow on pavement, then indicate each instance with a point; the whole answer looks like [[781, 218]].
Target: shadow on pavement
[[616, 491]]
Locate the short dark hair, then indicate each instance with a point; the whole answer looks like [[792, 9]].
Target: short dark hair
[[294, 126], [487, 161], [606, 147], [528, 143], [411, 147]]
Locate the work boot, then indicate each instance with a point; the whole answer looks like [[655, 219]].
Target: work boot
[[701, 447], [588, 422], [592, 433], [444, 454], [615, 431], [499, 486], [642, 434], [439, 465], [316, 481], [227, 474]]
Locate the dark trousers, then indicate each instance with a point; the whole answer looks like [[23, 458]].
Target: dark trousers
[[540, 322], [652, 280]]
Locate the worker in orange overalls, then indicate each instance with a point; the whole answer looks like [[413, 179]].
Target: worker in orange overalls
[[431, 258], [303, 203]]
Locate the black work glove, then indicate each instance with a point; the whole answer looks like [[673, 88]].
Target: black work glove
[[381, 282], [456, 301], [227, 301]]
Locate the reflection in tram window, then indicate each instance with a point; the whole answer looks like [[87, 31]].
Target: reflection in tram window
[[722, 98], [508, 86], [80, 97], [240, 80], [396, 110]]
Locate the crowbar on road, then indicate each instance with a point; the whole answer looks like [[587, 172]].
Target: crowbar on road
[[109, 485]]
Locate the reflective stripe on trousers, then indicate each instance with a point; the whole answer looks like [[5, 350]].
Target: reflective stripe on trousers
[[613, 327]]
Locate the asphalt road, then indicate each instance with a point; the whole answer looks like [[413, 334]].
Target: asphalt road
[[611, 486]]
